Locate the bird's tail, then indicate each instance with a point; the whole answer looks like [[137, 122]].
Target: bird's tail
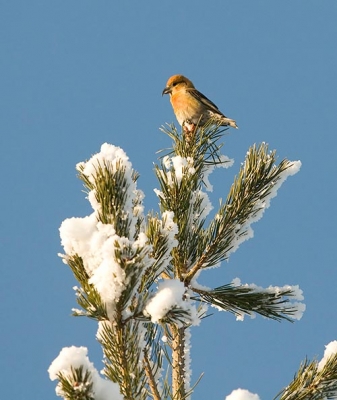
[[230, 122]]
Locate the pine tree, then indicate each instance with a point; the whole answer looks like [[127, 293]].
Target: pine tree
[[138, 274]]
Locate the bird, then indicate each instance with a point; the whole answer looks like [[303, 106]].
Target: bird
[[191, 107]]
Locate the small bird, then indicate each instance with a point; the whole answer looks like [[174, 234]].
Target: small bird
[[190, 106]]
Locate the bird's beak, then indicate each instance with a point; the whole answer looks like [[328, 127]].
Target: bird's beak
[[166, 90]]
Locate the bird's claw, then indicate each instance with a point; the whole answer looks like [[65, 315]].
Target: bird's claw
[[188, 126]]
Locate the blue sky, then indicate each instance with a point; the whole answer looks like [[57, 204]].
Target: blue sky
[[77, 74]]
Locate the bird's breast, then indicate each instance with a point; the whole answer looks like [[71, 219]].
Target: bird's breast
[[185, 108]]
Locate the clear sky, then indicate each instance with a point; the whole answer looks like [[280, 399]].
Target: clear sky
[[76, 74]]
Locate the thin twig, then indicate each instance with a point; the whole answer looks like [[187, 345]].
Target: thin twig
[[150, 377], [178, 362]]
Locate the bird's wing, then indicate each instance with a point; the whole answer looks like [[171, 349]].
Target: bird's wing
[[203, 99]]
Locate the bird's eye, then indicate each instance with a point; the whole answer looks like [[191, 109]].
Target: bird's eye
[[175, 84]]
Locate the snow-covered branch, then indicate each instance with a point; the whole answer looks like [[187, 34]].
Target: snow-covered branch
[[137, 274]]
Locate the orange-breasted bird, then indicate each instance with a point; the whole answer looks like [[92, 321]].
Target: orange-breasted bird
[[190, 106]]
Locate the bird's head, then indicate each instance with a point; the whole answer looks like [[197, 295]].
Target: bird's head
[[175, 83]]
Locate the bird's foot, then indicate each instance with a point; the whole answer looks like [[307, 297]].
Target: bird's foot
[[188, 126], [188, 129]]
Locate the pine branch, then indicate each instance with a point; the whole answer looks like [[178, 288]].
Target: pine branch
[[122, 351], [176, 316], [248, 197], [150, 377], [123, 256], [178, 363], [111, 188], [313, 382], [181, 188], [245, 300], [76, 386], [133, 263], [117, 249], [161, 249], [153, 347], [90, 300], [202, 146], [87, 296]]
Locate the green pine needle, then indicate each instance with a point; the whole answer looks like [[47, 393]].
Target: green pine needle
[[245, 300]]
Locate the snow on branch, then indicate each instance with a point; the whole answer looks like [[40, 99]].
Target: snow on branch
[[78, 378], [314, 380], [110, 245], [183, 175], [250, 195], [273, 302], [171, 296], [161, 235], [242, 394], [119, 256], [113, 194]]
